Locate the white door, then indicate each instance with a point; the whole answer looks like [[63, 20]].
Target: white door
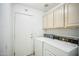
[[23, 41]]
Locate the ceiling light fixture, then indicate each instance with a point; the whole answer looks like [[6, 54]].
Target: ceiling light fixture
[[46, 5]]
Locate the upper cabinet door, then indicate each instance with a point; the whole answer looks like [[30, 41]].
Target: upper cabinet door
[[59, 17], [45, 20], [50, 20], [72, 14]]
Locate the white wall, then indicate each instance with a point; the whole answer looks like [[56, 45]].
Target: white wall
[[5, 29], [6, 25], [37, 18]]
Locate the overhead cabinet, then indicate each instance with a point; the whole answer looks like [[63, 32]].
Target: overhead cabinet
[[55, 19], [59, 17], [72, 15], [64, 16]]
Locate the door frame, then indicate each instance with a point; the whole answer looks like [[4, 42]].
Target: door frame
[[13, 31]]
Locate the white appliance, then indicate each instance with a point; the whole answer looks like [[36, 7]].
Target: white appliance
[[53, 47]]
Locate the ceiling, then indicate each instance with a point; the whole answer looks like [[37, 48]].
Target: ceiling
[[41, 6]]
